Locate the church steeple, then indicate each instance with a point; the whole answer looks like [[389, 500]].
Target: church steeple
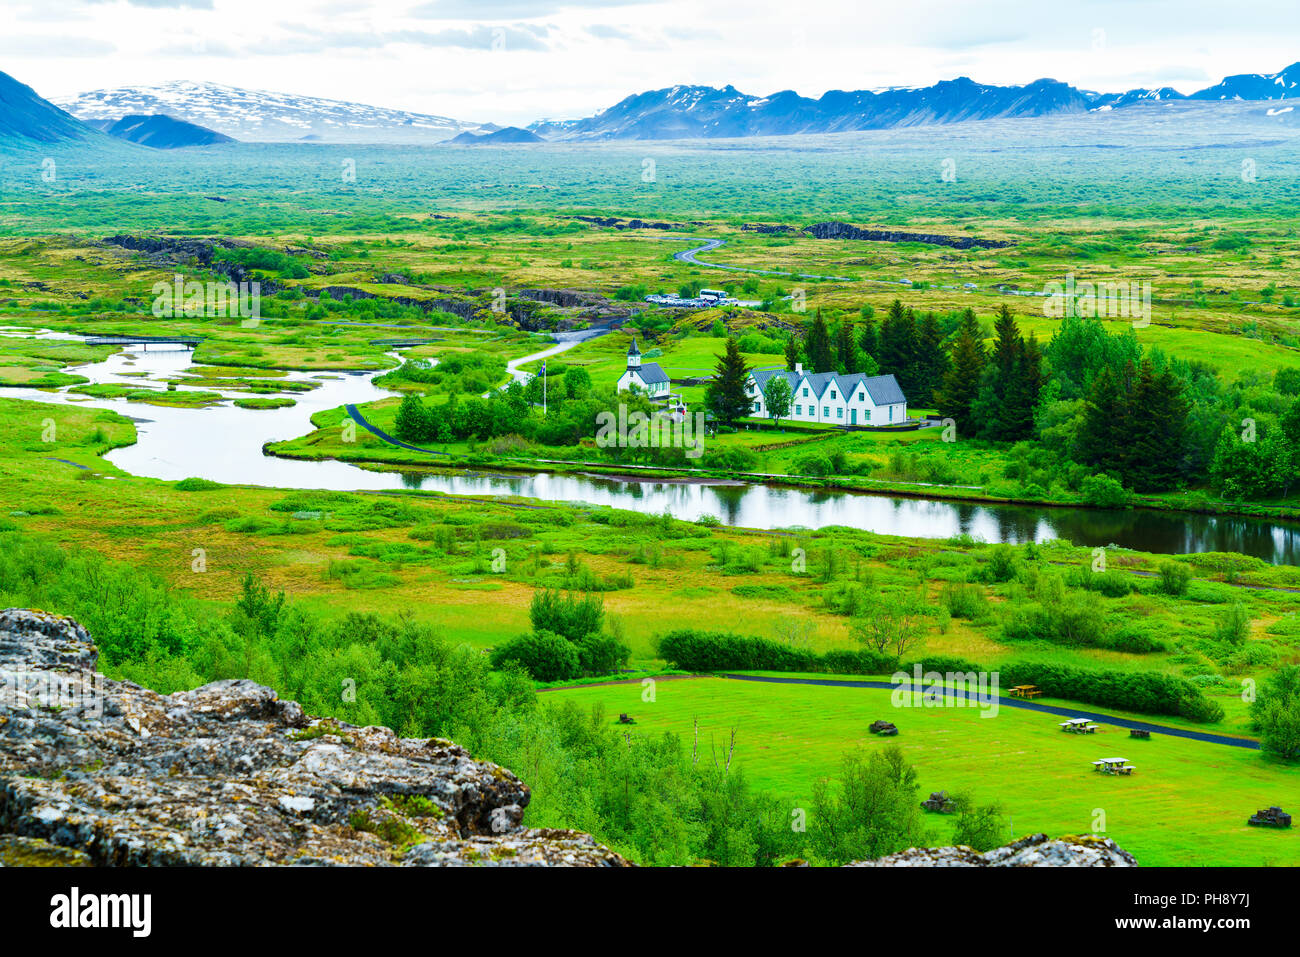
[[633, 357]]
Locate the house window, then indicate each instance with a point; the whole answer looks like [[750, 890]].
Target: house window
[[891, 413], [805, 393], [798, 410], [826, 411], [839, 413], [862, 396], [758, 407], [833, 396]]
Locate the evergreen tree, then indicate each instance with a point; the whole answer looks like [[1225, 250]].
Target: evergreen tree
[[931, 361], [1105, 422], [727, 395], [898, 346], [869, 338], [818, 346], [1022, 391], [847, 348], [793, 351], [1152, 444], [413, 421], [961, 380], [1006, 343]]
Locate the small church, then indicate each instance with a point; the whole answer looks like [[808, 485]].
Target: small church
[[644, 377]]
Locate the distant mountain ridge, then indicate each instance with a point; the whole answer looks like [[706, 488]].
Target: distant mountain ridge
[[682, 112], [678, 112], [505, 136], [161, 132], [25, 116], [265, 117]]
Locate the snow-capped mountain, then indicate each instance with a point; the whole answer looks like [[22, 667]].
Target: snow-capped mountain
[[259, 116], [681, 112], [1284, 85]]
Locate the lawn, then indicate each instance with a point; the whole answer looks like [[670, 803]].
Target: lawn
[[1186, 805]]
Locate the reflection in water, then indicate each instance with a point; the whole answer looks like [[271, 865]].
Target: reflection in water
[[224, 444]]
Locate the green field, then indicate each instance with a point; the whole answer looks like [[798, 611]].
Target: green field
[[410, 593], [1185, 805]]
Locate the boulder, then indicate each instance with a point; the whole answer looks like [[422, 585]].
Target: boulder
[[109, 773], [1037, 850]]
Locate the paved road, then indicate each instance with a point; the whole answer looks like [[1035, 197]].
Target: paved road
[[1026, 705], [360, 420], [708, 245]]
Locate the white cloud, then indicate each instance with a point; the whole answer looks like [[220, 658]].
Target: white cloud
[[513, 61]]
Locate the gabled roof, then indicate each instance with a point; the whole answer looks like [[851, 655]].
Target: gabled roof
[[883, 389], [634, 351], [762, 376], [650, 372]]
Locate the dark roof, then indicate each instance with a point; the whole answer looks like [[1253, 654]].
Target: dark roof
[[883, 389], [634, 351], [650, 372]]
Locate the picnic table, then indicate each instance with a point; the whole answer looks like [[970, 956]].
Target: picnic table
[[1113, 766], [1079, 726], [1024, 691]]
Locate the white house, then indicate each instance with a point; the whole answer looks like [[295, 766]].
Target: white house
[[834, 399], [646, 378]]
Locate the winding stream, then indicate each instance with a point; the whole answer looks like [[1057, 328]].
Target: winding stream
[[224, 443]]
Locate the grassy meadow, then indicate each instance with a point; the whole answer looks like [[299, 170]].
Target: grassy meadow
[[357, 265]]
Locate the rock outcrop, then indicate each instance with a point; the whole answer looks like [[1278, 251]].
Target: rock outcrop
[[103, 772], [837, 230], [1033, 851]]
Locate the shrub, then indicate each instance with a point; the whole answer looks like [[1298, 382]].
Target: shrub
[[944, 664], [1075, 620], [543, 654], [196, 485], [567, 615], [814, 463], [601, 655], [1001, 566], [964, 600], [1145, 692], [1103, 492], [1175, 578], [1234, 626], [1138, 643], [718, 651], [859, 661]]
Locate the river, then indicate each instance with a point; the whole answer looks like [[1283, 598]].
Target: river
[[224, 443]]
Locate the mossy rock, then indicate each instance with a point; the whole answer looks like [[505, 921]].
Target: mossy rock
[[18, 851]]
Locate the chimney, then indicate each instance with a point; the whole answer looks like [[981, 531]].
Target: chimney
[[798, 368]]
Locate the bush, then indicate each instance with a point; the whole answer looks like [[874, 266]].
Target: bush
[[1138, 643], [943, 664], [1001, 566], [1075, 620], [1145, 692], [543, 654], [718, 651], [1103, 492], [964, 600], [601, 655], [196, 485], [567, 615], [1175, 578], [814, 464]]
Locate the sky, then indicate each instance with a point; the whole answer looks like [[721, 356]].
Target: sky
[[516, 61]]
